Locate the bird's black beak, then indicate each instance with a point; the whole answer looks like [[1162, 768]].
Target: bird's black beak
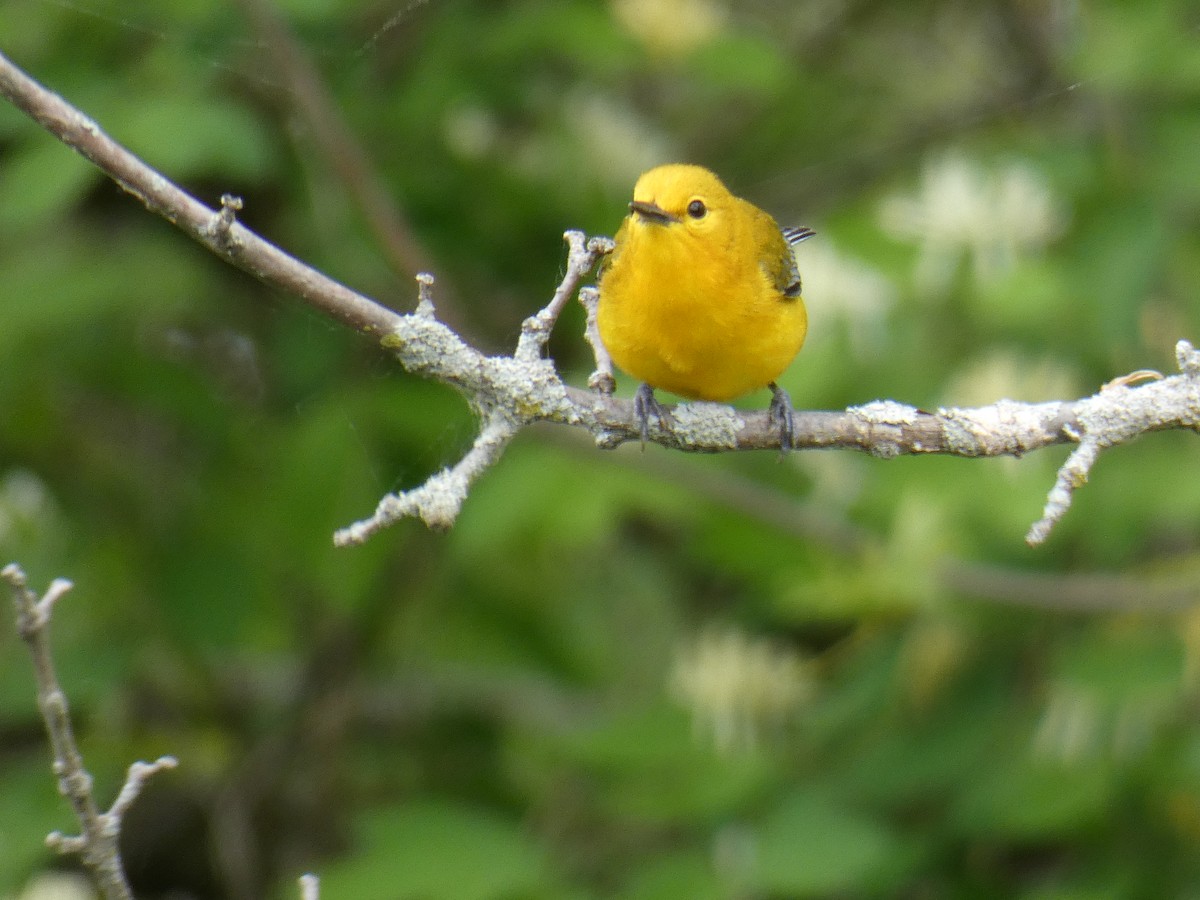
[[652, 212]]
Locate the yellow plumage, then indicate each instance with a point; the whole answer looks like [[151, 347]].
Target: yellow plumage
[[701, 294]]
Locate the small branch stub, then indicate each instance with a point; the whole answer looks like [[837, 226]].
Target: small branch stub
[[1188, 358], [220, 229], [602, 378], [425, 308], [139, 773]]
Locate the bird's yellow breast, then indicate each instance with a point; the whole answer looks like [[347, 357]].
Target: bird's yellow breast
[[700, 311]]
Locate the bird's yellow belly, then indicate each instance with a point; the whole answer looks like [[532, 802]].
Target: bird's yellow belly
[[704, 336]]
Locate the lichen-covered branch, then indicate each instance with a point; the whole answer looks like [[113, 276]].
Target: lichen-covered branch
[[1119, 413], [97, 843], [437, 502], [510, 392]]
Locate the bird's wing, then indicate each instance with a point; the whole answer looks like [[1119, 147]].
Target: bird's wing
[[786, 275], [776, 257]]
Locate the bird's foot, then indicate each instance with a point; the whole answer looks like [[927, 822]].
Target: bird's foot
[[780, 413], [646, 405]]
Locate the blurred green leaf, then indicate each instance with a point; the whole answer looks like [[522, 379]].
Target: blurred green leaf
[[433, 849], [41, 181], [30, 813], [812, 845], [191, 137], [682, 876], [742, 63], [1030, 799]]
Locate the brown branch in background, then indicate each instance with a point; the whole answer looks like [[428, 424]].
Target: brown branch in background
[[312, 104], [1163, 592], [1075, 592], [98, 843]]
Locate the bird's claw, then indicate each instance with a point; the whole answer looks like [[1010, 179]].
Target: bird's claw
[[645, 405], [780, 412]]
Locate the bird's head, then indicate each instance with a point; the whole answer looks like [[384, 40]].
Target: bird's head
[[681, 195]]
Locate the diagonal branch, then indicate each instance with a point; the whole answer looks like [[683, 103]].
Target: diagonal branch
[[510, 392], [225, 237]]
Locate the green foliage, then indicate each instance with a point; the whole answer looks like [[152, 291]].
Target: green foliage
[[439, 850], [810, 846], [31, 812], [629, 674]]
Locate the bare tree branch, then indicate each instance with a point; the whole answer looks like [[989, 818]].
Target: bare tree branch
[[510, 392], [1164, 593], [98, 843], [224, 237], [438, 501]]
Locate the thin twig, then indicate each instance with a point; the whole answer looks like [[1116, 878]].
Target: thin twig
[[98, 842], [602, 378], [582, 255], [438, 501]]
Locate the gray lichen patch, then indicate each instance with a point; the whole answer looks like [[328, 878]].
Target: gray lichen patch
[[530, 389], [886, 412], [707, 425]]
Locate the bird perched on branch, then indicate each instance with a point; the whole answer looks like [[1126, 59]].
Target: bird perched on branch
[[701, 295]]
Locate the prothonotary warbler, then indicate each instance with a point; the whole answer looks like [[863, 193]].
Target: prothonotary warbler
[[701, 295]]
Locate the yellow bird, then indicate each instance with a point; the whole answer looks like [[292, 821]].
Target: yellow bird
[[701, 295]]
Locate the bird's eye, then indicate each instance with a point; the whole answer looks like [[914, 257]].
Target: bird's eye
[[696, 209]]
